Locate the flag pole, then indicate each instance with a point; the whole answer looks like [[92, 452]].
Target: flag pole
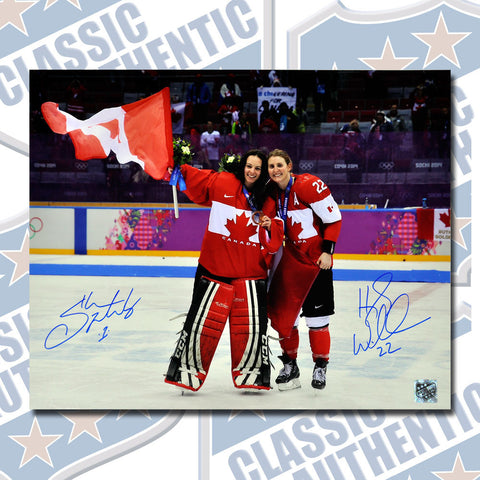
[[175, 200]]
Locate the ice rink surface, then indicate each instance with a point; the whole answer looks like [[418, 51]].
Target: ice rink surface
[[121, 361]]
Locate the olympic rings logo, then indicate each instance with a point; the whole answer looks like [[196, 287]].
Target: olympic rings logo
[[81, 165], [386, 165], [35, 226]]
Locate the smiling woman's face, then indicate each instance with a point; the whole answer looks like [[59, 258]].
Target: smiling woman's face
[[279, 171], [253, 169]]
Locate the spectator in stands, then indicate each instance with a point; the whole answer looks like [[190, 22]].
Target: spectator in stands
[[230, 92], [353, 150], [228, 115], [325, 93], [399, 129], [302, 116], [210, 141], [319, 99], [199, 98], [381, 124], [398, 123], [444, 141], [268, 127], [420, 101], [441, 131], [302, 119], [430, 87], [274, 79], [265, 111], [242, 131], [113, 177], [258, 78], [288, 120], [379, 142], [195, 138], [200, 157], [76, 99], [287, 126]]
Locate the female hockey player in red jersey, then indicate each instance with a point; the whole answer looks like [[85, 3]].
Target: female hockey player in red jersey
[[303, 278], [237, 249]]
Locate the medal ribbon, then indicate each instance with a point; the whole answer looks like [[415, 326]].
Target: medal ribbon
[[282, 209], [249, 199]]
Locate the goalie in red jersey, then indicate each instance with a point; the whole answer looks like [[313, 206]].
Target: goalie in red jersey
[[303, 280], [231, 279]]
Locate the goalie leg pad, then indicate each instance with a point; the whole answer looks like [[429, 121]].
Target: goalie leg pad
[[200, 335], [248, 335]]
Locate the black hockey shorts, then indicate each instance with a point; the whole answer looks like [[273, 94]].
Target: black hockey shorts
[[320, 299]]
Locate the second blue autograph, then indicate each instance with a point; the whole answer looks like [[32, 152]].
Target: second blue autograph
[[382, 317], [85, 313]]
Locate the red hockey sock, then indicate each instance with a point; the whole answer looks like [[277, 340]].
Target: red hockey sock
[[319, 342], [290, 344]]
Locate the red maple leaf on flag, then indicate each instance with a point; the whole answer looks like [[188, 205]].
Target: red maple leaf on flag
[[294, 229], [239, 228], [445, 218]]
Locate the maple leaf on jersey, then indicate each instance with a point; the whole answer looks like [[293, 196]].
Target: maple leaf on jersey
[[294, 229], [239, 229], [445, 218]]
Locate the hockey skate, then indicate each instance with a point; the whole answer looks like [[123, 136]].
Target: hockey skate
[[319, 377], [288, 378]]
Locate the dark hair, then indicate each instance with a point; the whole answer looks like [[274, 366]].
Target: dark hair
[[258, 189]]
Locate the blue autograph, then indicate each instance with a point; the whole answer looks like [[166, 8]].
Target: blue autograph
[[89, 312], [378, 317]]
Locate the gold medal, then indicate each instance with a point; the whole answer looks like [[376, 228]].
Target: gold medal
[[256, 216]]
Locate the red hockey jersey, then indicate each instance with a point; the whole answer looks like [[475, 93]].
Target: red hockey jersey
[[312, 217], [233, 245]]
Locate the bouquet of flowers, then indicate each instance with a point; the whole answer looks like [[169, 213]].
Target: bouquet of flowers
[[229, 162], [182, 152]]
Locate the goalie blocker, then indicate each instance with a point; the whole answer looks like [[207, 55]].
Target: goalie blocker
[[244, 301]]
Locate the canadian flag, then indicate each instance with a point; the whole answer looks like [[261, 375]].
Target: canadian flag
[[178, 117], [431, 221], [138, 132]]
